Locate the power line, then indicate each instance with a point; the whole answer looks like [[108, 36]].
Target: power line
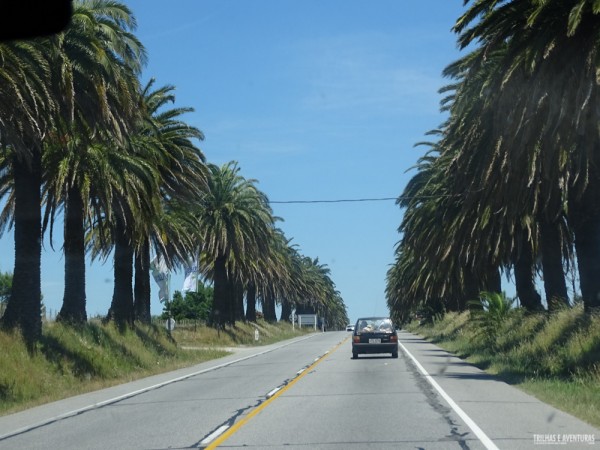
[[379, 199], [348, 200]]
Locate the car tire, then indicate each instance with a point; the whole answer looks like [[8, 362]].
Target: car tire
[[394, 354], [354, 355]]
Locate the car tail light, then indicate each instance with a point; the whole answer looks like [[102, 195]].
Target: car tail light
[[393, 338], [356, 339]]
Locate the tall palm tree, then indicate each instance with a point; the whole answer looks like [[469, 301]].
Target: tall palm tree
[[166, 140], [507, 177], [169, 234], [295, 287], [235, 224], [269, 275], [330, 307], [26, 111], [136, 202], [274, 277], [99, 60]]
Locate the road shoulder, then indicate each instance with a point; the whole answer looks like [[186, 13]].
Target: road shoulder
[[44, 414], [507, 415]]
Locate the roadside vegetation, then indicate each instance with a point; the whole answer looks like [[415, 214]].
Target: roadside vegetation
[[555, 357], [73, 360]]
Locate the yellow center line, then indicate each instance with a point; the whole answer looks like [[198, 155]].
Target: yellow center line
[[240, 423]]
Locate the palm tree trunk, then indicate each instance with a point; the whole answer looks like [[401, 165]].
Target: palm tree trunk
[[121, 308], [24, 307], [73, 309], [269, 308], [251, 302], [141, 289], [286, 310], [229, 303], [470, 290], [239, 301], [523, 267], [453, 304], [586, 226], [219, 312], [491, 280], [552, 265]]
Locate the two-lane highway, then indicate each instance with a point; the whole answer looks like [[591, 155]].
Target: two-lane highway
[[372, 402], [305, 393]]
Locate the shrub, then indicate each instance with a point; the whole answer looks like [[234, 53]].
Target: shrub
[[489, 314]]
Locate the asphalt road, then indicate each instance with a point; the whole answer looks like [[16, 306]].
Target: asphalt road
[[304, 394]]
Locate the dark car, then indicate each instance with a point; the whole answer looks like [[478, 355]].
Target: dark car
[[374, 335]]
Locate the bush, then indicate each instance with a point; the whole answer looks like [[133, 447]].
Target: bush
[[194, 306], [489, 314]]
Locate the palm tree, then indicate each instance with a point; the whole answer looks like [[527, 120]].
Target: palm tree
[[503, 177], [548, 52], [235, 224], [135, 203], [169, 234], [331, 306], [489, 181], [524, 264], [274, 280], [26, 108], [167, 141], [453, 261], [99, 60], [295, 288], [317, 294]]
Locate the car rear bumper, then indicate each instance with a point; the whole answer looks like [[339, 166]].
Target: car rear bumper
[[385, 347]]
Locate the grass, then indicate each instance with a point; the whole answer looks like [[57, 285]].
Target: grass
[[243, 334], [555, 357], [74, 360]]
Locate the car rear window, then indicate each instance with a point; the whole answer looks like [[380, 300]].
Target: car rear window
[[371, 325]]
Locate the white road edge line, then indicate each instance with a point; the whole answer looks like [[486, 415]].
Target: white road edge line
[[215, 434], [141, 391], [300, 371], [485, 440]]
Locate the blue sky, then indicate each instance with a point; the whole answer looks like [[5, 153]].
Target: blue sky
[[317, 100]]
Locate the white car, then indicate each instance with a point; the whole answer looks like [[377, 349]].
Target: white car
[[350, 327]]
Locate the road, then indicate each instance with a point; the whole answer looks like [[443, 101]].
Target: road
[[306, 393]]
